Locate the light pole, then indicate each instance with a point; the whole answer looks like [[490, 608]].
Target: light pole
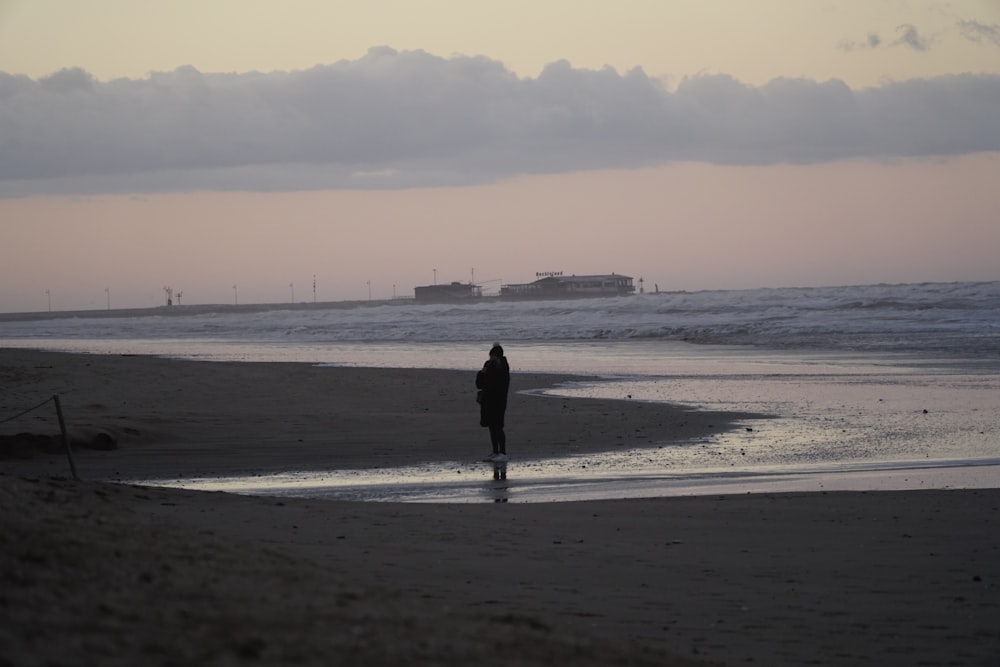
[[435, 276], [369, 290], [107, 291], [48, 295], [236, 296]]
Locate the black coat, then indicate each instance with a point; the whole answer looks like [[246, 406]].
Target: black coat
[[494, 381]]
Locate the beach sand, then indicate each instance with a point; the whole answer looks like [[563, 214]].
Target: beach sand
[[104, 573], [184, 418]]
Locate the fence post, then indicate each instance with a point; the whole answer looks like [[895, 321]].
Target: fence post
[[65, 436]]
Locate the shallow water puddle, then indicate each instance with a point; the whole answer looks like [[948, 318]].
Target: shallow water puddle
[[578, 479]]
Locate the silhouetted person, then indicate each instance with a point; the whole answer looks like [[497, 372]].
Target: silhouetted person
[[493, 381]]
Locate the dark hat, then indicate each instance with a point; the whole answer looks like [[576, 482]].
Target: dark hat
[[496, 350]]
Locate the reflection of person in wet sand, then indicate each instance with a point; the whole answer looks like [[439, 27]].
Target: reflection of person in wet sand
[[493, 381], [499, 475]]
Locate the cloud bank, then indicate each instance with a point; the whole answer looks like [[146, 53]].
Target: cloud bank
[[411, 119]]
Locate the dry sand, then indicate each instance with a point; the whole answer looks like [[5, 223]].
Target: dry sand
[[99, 573]]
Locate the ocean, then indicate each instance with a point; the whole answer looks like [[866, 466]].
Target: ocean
[[952, 319], [878, 381]]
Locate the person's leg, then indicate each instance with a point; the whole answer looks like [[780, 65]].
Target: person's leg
[[501, 440], [495, 439]]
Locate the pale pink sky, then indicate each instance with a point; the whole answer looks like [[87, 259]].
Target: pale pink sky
[[688, 226], [765, 144]]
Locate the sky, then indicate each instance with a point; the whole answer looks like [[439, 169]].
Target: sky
[[246, 150]]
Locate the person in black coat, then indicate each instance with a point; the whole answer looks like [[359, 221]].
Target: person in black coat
[[493, 381]]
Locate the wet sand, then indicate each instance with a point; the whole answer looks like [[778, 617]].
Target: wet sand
[[175, 418], [118, 574]]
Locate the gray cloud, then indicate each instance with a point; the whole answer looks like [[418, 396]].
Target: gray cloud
[[411, 119], [873, 41], [911, 37], [980, 32]]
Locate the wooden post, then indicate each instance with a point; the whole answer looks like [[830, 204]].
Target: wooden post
[[65, 436]]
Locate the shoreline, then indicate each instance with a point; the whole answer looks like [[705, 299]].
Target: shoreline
[[167, 419], [184, 418]]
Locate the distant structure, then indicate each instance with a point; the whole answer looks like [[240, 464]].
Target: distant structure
[[170, 295], [550, 285], [554, 285], [447, 293]]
